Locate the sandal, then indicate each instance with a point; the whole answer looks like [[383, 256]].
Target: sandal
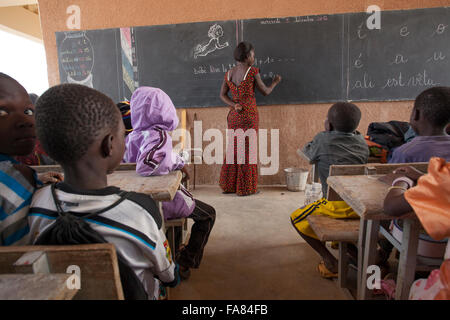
[[324, 272]]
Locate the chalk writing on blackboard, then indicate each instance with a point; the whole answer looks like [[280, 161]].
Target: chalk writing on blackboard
[[440, 29], [437, 56], [404, 31], [399, 59], [215, 33], [358, 62], [360, 34], [421, 79]]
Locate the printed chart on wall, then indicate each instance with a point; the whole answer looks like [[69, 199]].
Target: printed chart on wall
[[187, 61], [409, 53], [91, 58]]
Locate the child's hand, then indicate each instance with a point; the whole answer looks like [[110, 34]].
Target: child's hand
[[237, 107], [50, 177], [409, 172]]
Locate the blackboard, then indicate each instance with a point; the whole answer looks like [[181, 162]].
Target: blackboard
[[306, 51], [187, 61], [322, 58], [92, 58], [409, 53]]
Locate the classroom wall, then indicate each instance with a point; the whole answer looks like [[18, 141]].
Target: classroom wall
[[297, 123]]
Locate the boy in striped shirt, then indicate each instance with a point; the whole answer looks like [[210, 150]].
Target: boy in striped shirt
[[17, 181]]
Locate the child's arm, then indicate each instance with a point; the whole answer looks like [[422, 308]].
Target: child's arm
[[311, 150], [164, 268], [159, 158], [395, 203]]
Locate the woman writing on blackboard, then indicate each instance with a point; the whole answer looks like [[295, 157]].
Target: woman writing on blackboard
[[240, 173]]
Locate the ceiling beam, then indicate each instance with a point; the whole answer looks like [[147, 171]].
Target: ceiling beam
[[21, 21], [12, 3]]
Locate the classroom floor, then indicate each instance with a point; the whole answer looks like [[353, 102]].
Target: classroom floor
[[254, 252]]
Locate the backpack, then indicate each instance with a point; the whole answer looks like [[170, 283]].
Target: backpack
[[69, 229]]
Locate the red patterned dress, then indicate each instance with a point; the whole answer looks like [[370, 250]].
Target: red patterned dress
[[241, 174]]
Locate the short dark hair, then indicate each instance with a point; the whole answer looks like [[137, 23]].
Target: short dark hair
[[69, 117], [242, 51], [4, 76], [434, 104], [33, 98], [344, 116]]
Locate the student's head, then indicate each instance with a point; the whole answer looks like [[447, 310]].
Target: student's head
[[343, 117], [124, 108], [431, 110], [150, 108], [244, 52], [75, 123], [17, 132], [33, 98]]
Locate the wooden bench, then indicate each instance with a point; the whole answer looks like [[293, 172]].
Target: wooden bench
[[343, 231], [99, 272]]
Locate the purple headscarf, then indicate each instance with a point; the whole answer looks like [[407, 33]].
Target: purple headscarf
[[150, 146]]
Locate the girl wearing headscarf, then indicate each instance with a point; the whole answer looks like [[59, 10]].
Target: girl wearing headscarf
[[149, 144]]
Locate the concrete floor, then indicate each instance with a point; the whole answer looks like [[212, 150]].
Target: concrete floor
[[254, 252]]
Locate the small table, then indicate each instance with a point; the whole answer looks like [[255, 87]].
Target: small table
[[365, 194], [38, 286]]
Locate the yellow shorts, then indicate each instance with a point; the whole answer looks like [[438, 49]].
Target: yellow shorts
[[332, 209]]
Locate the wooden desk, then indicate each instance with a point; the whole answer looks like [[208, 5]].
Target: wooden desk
[[35, 287], [160, 188], [365, 194]]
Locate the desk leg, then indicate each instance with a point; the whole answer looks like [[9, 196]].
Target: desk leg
[[370, 255], [361, 239], [408, 258]]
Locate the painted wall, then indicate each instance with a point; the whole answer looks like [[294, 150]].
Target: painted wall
[[297, 123]]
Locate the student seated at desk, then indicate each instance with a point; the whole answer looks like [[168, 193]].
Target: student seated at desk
[[82, 129], [429, 119], [153, 115], [339, 144], [18, 182], [429, 196]]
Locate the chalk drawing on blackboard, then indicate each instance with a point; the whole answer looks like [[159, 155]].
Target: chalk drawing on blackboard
[[77, 58], [215, 33]]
